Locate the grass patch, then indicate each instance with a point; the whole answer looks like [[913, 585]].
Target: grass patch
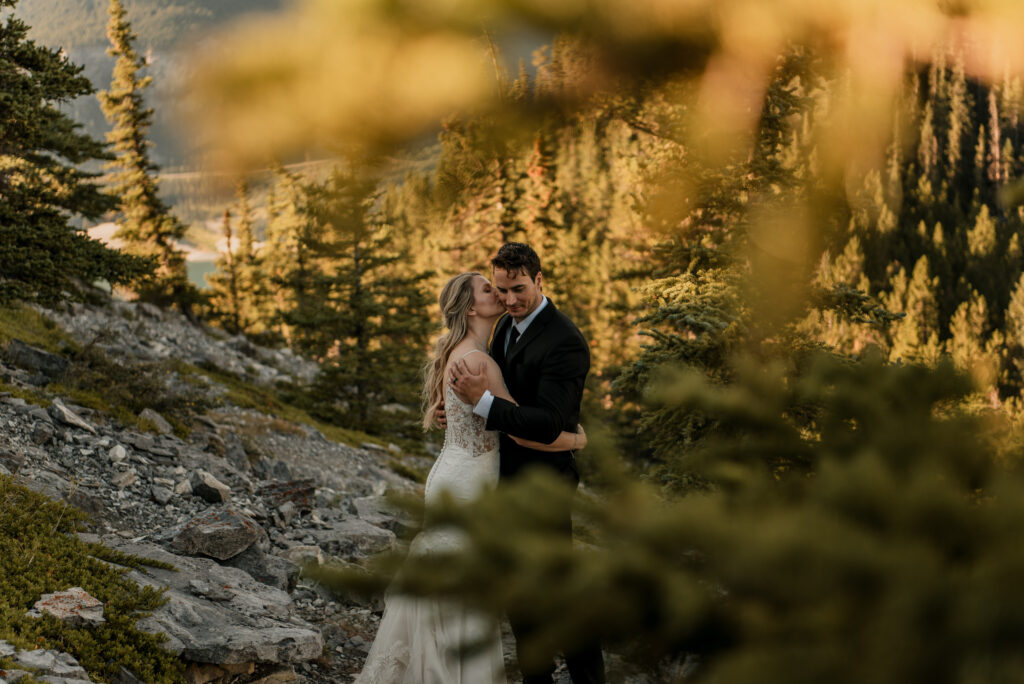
[[31, 327], [39, 554], [123, 389], [407, 471], [265, 400], [30, 396]]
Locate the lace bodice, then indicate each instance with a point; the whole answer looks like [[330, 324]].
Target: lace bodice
[[468, 462], [467, 430]]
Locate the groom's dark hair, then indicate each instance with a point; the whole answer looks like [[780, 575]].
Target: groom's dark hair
[[516, 257]]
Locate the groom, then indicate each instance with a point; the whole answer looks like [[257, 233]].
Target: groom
[[544, 361]]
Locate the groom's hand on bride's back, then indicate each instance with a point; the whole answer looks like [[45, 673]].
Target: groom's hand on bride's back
[[441, 417]]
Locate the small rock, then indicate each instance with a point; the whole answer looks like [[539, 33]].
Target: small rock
[[303, 555], [183, 488], [220, 534], [42, 433], [74, 607], [279, 470], [299, 492], [162, 495], [377, 510], [209, 488], [288, 512], [139, 441], [40, 413], [234, 452], [159, 422], [63, 414], [117, 453], [125, 479]]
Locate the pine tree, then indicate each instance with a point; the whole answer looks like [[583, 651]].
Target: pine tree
[[968, 346], [916, 336], [225, 285], [369, 321], [276, 268], [247, 262], [236, 287], [148, 227], [43, 256]]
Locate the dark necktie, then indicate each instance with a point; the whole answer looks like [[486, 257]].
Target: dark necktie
[[513, 337]]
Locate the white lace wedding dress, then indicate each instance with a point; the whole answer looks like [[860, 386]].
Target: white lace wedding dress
[[418, 640]]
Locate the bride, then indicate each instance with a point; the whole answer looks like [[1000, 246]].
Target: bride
[[419, 639]]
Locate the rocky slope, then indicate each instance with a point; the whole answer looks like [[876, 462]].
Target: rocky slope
[[235, 507]]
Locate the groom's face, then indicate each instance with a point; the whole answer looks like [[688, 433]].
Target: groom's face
[[520, 293]]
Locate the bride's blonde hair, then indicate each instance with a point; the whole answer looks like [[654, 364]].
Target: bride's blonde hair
[[457, 297]]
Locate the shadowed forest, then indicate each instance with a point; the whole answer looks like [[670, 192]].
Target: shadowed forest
[[792, 236]]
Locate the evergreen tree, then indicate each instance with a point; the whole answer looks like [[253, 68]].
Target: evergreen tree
[[246, 261], [968, 342], [287, 219], [43, 255], [916, 336], [147, 227], [225, 282], [368, 319], [236, 288]]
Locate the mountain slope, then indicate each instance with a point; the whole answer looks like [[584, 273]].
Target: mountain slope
[[160, 24]]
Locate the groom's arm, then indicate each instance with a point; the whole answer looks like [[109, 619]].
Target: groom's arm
[[559, 391]]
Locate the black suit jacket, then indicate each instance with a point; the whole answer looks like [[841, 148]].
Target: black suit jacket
[[545, 371]]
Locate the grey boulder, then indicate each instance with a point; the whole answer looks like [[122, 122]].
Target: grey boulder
[[352, 538], [221, 533], [209, 488], [255, 625], [36, 360]]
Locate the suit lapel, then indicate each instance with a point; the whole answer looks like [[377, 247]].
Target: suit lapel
[[535, 329]]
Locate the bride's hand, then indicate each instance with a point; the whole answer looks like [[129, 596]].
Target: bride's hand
[[581, 438], [566, 441]]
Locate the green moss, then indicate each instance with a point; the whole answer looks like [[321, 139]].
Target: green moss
[[39, 554], [31, 327]]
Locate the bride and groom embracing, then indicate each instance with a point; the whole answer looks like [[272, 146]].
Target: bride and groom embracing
[[506, 407]]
